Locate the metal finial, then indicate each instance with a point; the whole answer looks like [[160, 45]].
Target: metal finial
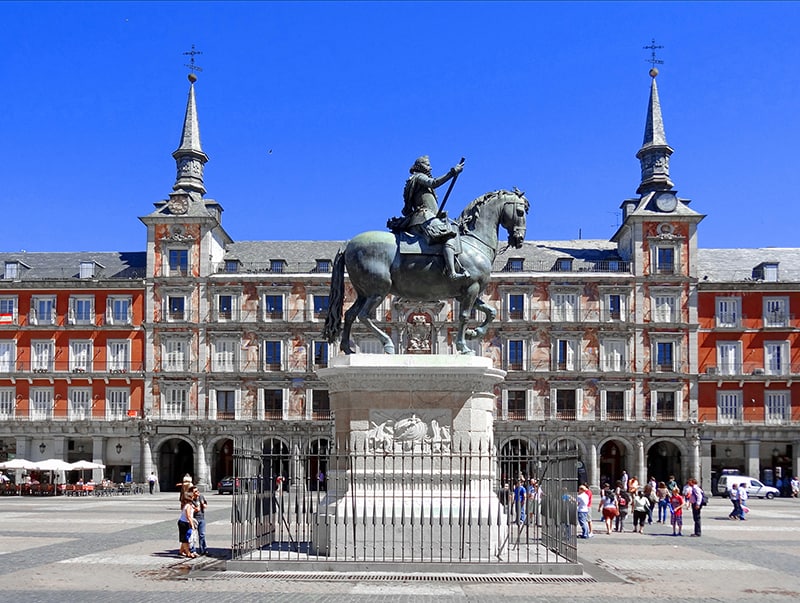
[[192, 67], [653, 60]]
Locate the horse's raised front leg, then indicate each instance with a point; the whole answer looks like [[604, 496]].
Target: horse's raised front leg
[[489, 314], [365, 316]]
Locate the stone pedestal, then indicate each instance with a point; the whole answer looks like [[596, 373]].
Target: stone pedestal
[[415, 476]]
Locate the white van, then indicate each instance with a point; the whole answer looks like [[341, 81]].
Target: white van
[[755, 489]]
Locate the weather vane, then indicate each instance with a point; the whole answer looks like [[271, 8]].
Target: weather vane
[[192, 67], [652, 60]]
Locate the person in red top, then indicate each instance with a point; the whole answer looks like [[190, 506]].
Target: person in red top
[[676, 509]]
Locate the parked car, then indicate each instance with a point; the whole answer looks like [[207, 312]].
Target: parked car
[[225, 485], [755, 489]]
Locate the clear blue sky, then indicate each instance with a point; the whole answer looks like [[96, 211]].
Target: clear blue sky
[[548, 97]]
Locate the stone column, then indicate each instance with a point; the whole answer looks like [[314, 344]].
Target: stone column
[[593, 468], [752, 461], [98, 456], [146, 453], [694, 458], [641, 462], [203, 477], [705, 464]]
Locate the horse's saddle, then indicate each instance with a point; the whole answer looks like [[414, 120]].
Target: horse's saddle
[[412, 244]]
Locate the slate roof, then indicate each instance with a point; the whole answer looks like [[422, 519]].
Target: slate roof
[[66, 265], [737, 265]]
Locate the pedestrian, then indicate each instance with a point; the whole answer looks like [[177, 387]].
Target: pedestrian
[[624, 480], [641, 506], [671, 483], [152, 481], [795, 484], [663, 494], [743, 496], [696, 497], [650, 494], [532, 498], [186, 487], [200, 503], [520, 496], [633, 486], [583, 511], [676, 510], [506, 497], [186, 523], [589, 513], [623, 504], [733, 494], [608, 506]]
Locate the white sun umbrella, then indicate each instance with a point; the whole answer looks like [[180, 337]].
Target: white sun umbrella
[[84, 465], [18, 464], [53, 465]]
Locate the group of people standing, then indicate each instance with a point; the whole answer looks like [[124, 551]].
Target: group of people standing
[[738, 495], [192, 518], [627, 496]]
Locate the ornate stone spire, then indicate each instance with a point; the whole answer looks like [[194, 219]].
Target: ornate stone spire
[[189, 156], [655, 152]]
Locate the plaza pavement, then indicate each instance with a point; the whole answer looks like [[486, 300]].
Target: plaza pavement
[[124, 549]]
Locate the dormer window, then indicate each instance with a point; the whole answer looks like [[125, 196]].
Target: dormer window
[[515, 265], [11, 271], [231, 266], [87, 269], [277, 265], [563, 265], [323, 266], [767, 271]]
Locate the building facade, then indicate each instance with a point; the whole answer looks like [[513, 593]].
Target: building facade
[[654, 356]]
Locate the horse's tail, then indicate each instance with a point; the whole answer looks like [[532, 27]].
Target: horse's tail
[[333, 321]]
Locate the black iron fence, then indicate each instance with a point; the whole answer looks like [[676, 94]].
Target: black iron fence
[[370, 507]]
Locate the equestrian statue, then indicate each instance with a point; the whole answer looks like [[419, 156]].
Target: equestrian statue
[[426, 257]]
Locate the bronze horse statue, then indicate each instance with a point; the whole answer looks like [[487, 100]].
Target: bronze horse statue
[[377, 268]]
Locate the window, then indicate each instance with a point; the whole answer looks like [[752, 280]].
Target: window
[[614, 355], [42, 355], [8, 310], [564, 307], [80, 356], [225, 353], [175, 355], [41, 403], [776, 312], [225, 307], [665, 260], [767, 271], [118, 311], [665, 406], [566, 354], [273, 404], [516, 355], [80, 404], [43, 311], [729, 407], [272, 355], [320, 354], [323, 266], [8, 355], [729, 311], [178, 262], [515, 265], [87, 270], [174, 403], [729, 358], [118, 403], [277, 265], [7, 403], [176, 307], [232, 266], [776, 407], [320, 405], [226, 404], [665, 356], [119, 356], [321, 306], [563, 265], [517, 408], [11, 271], [516, 306], [81, 310], [565, 404], [665, 308], [615, 405], [273, 307], [776, 357], [613, 306]]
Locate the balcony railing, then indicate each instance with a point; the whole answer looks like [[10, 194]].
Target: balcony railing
[[71, 367], [749, 369]]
